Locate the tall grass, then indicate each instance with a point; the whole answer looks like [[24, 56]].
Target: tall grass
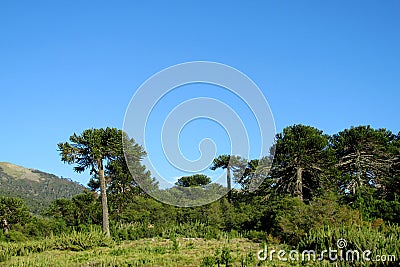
[[379, 238], [136, 231], [73, 241]]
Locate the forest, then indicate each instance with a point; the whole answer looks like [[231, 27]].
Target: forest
[[317, 191]]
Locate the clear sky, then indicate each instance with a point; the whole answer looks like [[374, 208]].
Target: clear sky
[[66, 66]]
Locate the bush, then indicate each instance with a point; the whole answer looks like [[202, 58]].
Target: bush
[[208, 261], [15, 236], [294, 218], [40, 227], [372, 208], [78, 241]]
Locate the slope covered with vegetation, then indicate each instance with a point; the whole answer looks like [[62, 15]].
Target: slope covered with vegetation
[[38, 189]]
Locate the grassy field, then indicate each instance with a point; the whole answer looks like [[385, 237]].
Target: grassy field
[[92, 248], [149, 252], [166, 252]]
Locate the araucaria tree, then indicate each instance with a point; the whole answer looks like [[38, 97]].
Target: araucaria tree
[[93, 150], [253, 174], [230, 163], [364, 157], [223, 162], [126, 177], [193, 180], [303, 160]]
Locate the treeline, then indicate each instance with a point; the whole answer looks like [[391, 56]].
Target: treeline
[[315, 181]]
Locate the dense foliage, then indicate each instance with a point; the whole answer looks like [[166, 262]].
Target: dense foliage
[[193, 180]]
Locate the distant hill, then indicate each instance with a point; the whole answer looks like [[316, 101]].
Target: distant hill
[[38, 189]]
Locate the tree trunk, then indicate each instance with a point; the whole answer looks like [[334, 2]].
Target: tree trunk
[[358, 184], [228, 182], [299, 183], [106, 227], [5, 225]]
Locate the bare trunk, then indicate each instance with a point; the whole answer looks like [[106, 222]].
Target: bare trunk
[[228, 182], [359, 182], [354, 187], [299, 183], [5, 225], [106, 227]]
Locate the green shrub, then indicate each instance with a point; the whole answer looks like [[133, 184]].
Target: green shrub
[[226, 257], [2, 236], [175, 243], [15, 236], [40, 227], [82, 240], [208, 261], [373, 208], [294, 218], [256, 236]]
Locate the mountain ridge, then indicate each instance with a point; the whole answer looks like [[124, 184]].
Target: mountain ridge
[[37, 188]]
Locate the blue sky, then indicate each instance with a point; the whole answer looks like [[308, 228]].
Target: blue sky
[[66, 66]]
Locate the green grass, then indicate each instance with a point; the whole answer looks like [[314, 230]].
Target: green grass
[[161, 252], [145, 252], [92, 248]]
